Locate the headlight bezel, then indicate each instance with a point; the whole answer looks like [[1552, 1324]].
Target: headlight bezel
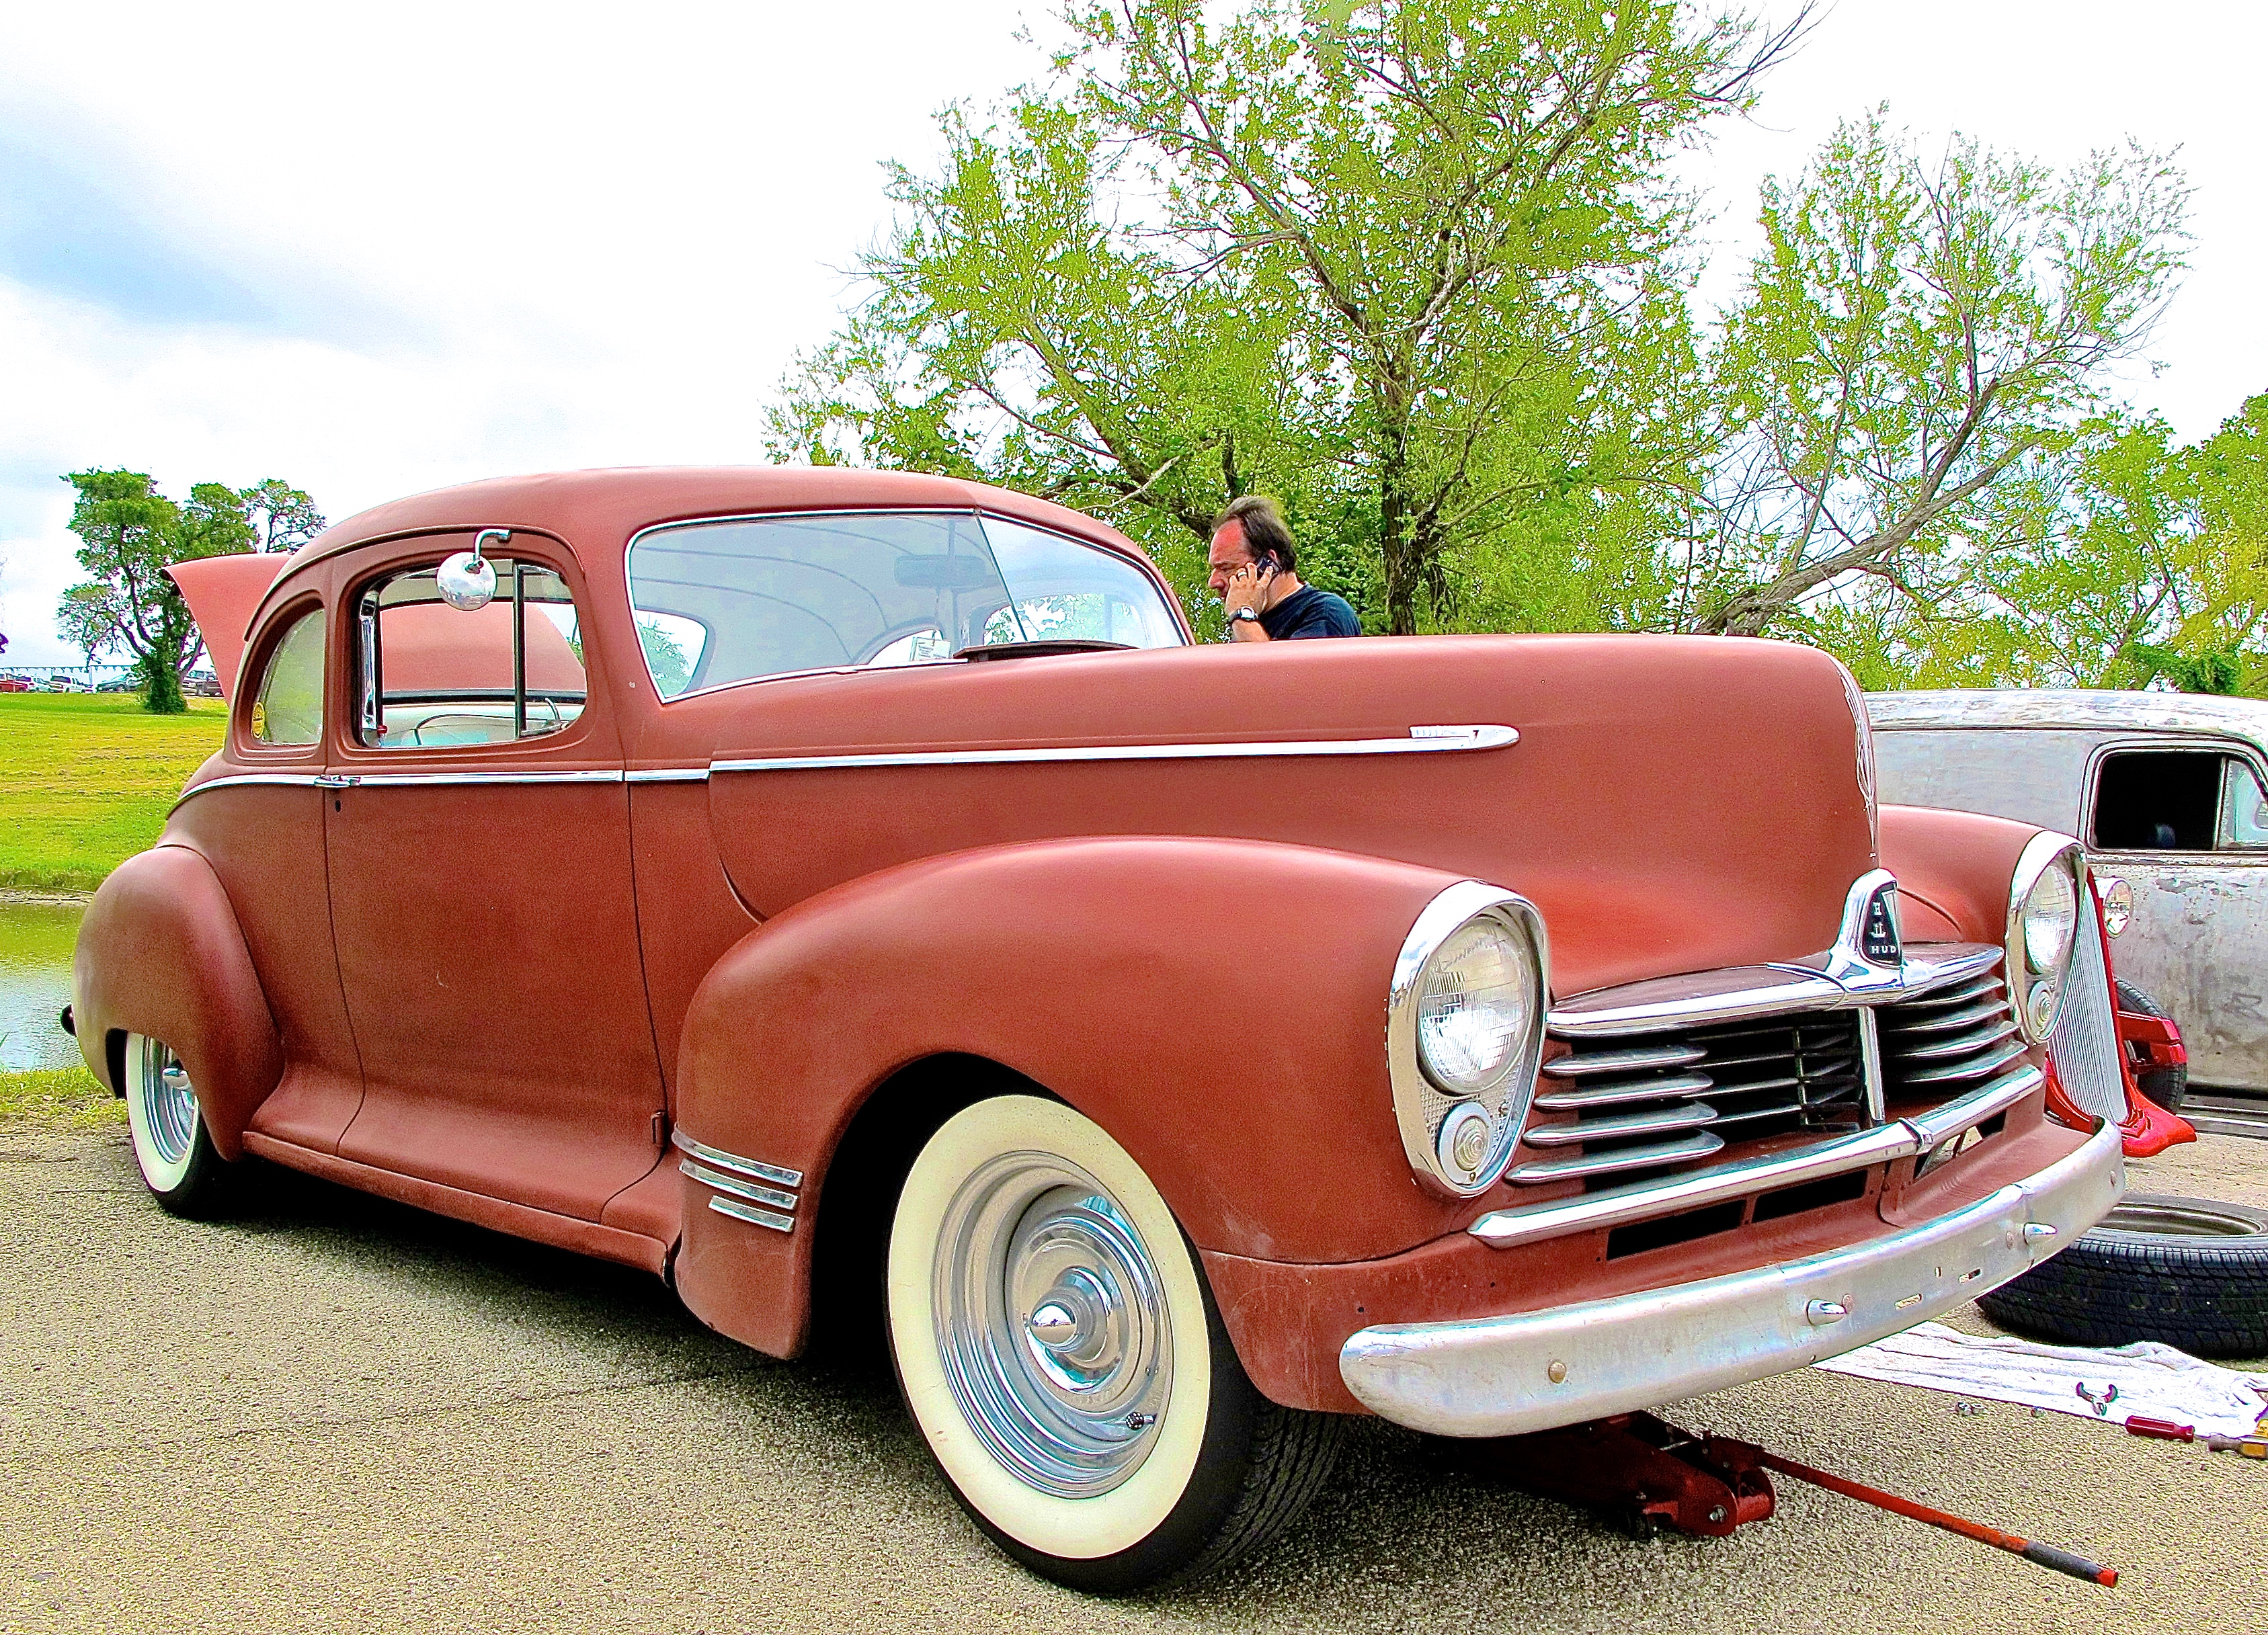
[[2044, 856], [1424, 1103]]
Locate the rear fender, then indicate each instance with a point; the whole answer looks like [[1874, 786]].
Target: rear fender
[[1218, 1006], [160, 953]]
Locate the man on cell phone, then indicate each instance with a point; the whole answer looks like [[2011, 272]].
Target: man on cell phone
[[1253, 573]]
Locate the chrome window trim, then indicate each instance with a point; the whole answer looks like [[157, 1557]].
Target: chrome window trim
[[752, 1215], [1140, 559], [1645, 1200], [1421, 741], [723, 1160], [754, 1191]]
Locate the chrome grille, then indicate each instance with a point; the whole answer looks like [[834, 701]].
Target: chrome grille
[[1678, 1096], [2085, 1043], [1948, 1041]]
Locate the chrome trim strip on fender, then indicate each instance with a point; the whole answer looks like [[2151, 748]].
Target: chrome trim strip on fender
[[721, 1182], [1421, 741], [251, 779], [723, 1160], [752, 1214], [669, 774], [1534, 1371], [1647, 1200]]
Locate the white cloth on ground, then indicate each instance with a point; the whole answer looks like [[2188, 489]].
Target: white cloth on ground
[[2155, 1382]]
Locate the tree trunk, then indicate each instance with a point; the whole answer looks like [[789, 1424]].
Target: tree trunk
[[161, 687], [1397, 549]]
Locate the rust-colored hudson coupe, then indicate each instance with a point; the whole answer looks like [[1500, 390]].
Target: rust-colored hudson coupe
[[839, 889]]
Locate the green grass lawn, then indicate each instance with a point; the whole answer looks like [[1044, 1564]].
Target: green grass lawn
[[68, 1096], [86, 778]]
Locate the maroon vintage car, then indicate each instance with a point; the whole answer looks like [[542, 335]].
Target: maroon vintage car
[[854, 891]]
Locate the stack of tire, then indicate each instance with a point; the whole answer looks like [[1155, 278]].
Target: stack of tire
[[2189, 1272]]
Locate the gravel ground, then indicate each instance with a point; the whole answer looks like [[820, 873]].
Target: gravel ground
[[340, 1415]]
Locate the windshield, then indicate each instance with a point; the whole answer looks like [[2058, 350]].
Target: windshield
[[721, 602]]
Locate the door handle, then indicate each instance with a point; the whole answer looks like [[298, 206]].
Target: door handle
[[332, 780]]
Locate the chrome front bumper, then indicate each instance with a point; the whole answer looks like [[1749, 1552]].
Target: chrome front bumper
[[1502, 1376]]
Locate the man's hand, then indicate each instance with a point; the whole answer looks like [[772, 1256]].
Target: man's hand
[[1247, 587]]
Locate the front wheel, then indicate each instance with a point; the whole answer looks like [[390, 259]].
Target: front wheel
[[185, 1173], [1063, 1358]]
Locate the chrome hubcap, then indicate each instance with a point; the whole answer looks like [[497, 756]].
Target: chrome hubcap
[[169, 1102], [1051, 1325]]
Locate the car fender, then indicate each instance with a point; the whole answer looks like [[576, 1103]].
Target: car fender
[[160, 953], [1218, 1006], [1954, 870]]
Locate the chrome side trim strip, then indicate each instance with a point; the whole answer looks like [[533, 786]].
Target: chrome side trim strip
[[1421, 741], [750, 1190], [1645, 1200], [430, 779], [250, 779], [752, 1214], [669, 774], [1535, 1370], [723, 1160]]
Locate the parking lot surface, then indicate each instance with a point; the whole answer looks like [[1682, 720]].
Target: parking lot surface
[[337, 1414]]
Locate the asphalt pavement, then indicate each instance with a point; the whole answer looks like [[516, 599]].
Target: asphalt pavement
[[336, 1414]]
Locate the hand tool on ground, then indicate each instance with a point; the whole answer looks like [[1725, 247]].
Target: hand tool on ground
[[2166, 1430]]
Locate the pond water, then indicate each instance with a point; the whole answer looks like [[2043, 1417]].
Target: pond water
[[36, 940]]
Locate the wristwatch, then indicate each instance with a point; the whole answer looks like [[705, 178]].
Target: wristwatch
[[1247, 615]]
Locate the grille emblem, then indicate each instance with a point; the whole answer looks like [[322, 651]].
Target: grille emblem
[[1878, 937]]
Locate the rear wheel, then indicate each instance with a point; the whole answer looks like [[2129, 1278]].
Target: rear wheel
[[1063, 1358], [185, 1173]]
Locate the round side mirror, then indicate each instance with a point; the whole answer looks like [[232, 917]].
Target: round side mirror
[[465, 581]]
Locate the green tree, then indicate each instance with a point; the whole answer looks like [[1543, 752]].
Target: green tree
[[282, 518], [1411, 265], [129, 534], [1918, 342]]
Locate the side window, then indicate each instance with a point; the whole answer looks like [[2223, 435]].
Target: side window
[[726, 601], [288, 708], [435, 676], [2243, 808], [2178, 801]]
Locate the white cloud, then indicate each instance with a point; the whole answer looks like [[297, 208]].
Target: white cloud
[[372, 250]]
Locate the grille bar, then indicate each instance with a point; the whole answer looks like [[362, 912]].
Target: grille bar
[[1617, 1095], [1594, 1062], [1690, 1116], [1699, 1144]]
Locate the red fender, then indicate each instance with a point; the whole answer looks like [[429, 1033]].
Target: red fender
[[1218, 1006], [160, 953]]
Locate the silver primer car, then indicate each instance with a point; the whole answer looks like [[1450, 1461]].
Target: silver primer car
[[2167, 791]]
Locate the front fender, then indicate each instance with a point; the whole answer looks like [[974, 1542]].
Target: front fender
[[1954, 870], [1218, 1006], [160, 953]]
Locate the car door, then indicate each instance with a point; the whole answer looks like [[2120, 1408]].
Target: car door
[[2183, 822], [481, 890]]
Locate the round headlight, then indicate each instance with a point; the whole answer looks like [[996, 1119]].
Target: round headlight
[[2051, 915], [1476, 1006], [2040, 1009]]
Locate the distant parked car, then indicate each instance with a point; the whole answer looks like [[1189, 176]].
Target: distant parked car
[[2168, 793], [17, 683], [61, 683], [120, 684], [200, 686]]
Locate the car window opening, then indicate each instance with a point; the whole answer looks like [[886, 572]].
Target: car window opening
[[2178, 801], [438, 676]]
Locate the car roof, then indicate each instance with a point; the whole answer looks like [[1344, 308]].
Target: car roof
[[2094, 709]]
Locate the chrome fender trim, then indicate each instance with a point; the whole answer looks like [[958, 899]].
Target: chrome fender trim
[[1534, 1371]]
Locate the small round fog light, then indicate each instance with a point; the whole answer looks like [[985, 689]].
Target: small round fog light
[[1467, 1134], [2043, 1006]]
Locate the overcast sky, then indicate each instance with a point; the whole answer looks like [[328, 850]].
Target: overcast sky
[[375, 250]]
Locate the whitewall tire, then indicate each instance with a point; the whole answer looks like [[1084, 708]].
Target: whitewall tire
[[183, 1171], [1061, 1355]]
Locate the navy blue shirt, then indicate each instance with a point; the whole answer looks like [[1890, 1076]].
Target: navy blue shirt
[[1308, 612]]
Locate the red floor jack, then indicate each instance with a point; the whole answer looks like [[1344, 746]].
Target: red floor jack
[[1643, 1473]]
